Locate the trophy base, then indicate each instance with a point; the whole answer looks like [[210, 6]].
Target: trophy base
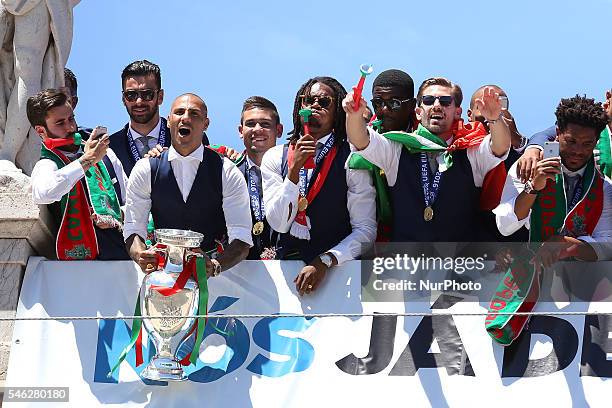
[[164, 369]]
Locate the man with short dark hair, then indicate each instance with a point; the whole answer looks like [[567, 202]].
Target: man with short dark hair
[[142, 94], [259, 128], [70, 88], [567, 203], [393, 103], [75, 181], [393, 100], [189, 187], [435, 173]]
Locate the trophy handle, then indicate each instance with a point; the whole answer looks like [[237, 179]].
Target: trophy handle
[[161, 252]]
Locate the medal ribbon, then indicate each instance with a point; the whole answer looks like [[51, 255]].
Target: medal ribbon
[[304, 181], [577, 193], [257, 204], [320, 177], [161, 139], [430, 196]]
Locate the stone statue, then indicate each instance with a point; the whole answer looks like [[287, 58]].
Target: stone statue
[[36, 39]]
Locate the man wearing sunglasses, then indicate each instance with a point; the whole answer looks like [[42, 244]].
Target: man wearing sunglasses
[[327, 213], [393, 103], [393, 100], [142, 95], [435, 173]]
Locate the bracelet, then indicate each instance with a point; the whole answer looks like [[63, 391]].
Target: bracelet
[[86, 163], [492, 121]]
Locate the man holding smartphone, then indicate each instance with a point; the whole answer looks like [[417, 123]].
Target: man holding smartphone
[[567, 204], [74, 181]]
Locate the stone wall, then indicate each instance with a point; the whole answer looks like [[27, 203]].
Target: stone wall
[[25, 230]]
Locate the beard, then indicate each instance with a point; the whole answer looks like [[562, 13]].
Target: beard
[[144, 117]]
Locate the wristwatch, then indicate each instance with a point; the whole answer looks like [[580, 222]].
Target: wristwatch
[[529, 189], [217, 267], [326, 259]]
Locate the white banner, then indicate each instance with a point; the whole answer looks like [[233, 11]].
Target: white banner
[[562, 361]]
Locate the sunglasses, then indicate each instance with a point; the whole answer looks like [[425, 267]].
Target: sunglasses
[[393, 104], [132, 95], [429, 100], [323, 101]]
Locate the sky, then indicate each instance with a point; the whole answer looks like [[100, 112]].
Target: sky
[[538, 51]]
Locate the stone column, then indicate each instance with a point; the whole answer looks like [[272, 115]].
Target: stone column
[[25, 229]]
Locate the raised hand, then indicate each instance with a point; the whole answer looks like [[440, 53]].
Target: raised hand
[[489, 105], [347, 105], [156, 151]]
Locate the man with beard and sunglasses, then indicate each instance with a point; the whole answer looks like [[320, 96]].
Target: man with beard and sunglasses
[[75, 181], [189, 187], [324, 212], [142, 95], [435, 174]]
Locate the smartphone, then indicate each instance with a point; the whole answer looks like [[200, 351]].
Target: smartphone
[[101, 131], [551, 149]]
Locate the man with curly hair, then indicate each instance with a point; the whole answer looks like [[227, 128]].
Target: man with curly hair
[[567, 205], [324, 212]]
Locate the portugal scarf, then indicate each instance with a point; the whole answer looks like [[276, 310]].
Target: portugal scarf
[[76, 238], [423, 141], [520, 287]]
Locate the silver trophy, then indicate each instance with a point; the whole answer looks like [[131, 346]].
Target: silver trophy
[[160, 298]]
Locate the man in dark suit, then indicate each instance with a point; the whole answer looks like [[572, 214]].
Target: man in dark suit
[[142, 95]]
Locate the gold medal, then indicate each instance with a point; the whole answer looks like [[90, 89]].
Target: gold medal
[[302, 204], [258, 228], [428, 213]]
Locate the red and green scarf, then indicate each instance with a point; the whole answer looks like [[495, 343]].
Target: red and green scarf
[[422, 140], [76, 238], [519, 289]]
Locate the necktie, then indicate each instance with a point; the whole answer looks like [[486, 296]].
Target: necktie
[[145, 145], [571, 182]]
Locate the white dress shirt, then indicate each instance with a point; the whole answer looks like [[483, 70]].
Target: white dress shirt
[[508, 223], [151, 138], [281, 198], [234, 190], [386, 154], [50, 184]]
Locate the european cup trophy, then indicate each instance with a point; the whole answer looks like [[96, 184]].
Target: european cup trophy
[[161, 295]]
